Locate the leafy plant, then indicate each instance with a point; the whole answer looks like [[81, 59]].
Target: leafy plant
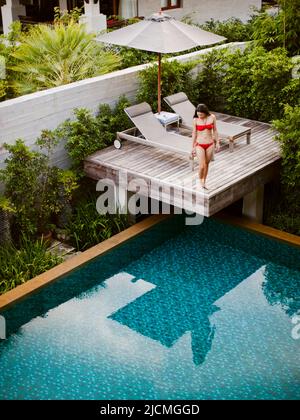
[[282, 202], [175, 78], [23, 168], [15, 32], [257, 83], [233, 29], [88, 133], [34, 187], [25, 262], [6, 205], [209, 83], [8, 45], [3, 89], [289, 139], [113, 119], [6, 211], [53, 56], [87, 228], [281, 30], [66, 17], [132, 57], [281, 209]]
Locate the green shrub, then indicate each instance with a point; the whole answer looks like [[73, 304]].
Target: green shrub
[[283, 219], [209, 83], [66, 17], [266, 31], [113, 119], [233, 29], [281, 30], [257, 83], [254, 83], [87, 133], [87, 227], [3, 89], [23, 168], [130, 56], [289, 139], [25, 262], [83, 137], [53, 56], [281, 209], [282, 204], [175, 79], [8, 45], [36, 190]]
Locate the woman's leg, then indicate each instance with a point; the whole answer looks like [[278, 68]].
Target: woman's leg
[[208, 157], [202, 164]]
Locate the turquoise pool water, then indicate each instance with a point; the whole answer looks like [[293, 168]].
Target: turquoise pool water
[[179, 313]]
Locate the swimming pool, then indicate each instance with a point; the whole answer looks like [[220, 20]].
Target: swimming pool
[[180, 312]]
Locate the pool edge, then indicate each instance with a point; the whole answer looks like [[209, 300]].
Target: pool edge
[[264, 230], [35, 284]]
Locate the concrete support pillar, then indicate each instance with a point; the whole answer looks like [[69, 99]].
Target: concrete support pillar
[[92, 18], [253, 204], [10, 12], [63, 4]]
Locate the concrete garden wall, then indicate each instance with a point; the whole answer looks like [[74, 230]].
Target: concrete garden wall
[[25, 117]]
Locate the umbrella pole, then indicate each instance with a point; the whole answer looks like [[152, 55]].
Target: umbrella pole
[[159, 83]]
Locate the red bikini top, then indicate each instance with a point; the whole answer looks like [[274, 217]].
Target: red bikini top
[[205, 127]]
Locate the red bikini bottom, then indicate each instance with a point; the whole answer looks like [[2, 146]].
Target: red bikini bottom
[[204, 145]]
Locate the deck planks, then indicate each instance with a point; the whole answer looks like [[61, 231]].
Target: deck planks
[[230, 174]]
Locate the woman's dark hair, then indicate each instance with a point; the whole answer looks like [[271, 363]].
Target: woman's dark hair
[[201, 108]]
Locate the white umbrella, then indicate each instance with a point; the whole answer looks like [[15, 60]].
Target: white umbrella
[[163, 34]]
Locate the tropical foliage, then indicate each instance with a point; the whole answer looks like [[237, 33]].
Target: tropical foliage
[[282, 208], [253, 83], [289, 139], [234, 30], [281, 29], [175, 78], [66, 17], [53, 56], [258, 83], [36, 192], [19, 264], [35, 188], [87, 227], [87, 133]]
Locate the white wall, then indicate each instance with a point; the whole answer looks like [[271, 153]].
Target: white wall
[[202, 10], [25, 117]]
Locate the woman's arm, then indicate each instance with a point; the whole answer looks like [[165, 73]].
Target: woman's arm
[[216, 133], [194, 135]]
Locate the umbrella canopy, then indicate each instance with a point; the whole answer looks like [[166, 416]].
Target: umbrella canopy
[[162, 34]]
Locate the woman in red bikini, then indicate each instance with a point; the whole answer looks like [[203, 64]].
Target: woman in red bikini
[[205, 134]]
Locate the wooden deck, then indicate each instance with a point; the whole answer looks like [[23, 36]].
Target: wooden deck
[[231, 175]]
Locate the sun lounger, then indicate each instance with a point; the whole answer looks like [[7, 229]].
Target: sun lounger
[[183, 107], [152, 133]]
